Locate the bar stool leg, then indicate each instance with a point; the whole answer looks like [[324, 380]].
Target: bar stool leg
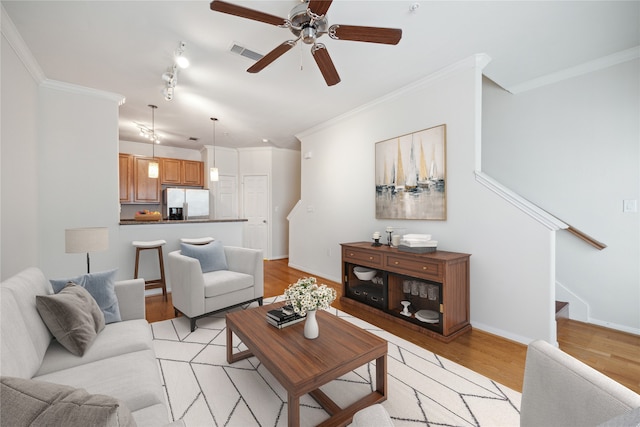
[[135, 274], [162, 278]]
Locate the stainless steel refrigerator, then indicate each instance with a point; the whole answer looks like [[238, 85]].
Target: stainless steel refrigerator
[[185, 203]]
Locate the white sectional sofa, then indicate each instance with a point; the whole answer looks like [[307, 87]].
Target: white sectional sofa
[[120, 363]]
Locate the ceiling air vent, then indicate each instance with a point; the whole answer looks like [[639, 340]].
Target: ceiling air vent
[[242, 51]]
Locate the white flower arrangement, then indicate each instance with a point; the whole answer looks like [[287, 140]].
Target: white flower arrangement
[[306, 295]]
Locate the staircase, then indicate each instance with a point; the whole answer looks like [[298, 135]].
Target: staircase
[[562, 310]]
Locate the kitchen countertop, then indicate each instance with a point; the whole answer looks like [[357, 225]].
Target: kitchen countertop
[[175, 222]]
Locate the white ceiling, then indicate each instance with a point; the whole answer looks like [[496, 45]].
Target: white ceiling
[[125, 46]]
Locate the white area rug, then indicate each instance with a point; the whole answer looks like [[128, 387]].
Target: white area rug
[[424, 389]]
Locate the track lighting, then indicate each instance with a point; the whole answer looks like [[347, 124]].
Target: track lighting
[[170, 77]]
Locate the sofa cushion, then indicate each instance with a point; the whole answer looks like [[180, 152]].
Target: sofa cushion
[[132, 378], [115, 339], [72, 316], [225, 281], [18, 356], [27, 402], [25, 286], [101, 286], [211, 256]]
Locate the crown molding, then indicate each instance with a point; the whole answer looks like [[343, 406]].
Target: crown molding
[[17, 43], [585, 68], [479, 60]]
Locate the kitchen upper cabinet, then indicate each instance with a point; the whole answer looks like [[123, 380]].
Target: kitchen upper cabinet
[[125, 169], [182, 172], [171, 171], [145, 189], [192, 173]]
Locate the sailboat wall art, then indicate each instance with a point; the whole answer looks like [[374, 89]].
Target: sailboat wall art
[[411, 176]]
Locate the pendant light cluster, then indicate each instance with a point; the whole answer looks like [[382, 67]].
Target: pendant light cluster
[[154, 166], [213, 172]]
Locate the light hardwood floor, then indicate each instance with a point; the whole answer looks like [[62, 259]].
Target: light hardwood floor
[[615, 353]]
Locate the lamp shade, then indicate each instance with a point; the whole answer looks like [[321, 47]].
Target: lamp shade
[[90, 239]]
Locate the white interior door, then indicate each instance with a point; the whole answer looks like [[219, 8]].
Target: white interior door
[[256, 211], [226, 198]]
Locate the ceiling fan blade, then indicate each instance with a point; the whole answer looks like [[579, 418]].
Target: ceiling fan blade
[[328, 70], [319, 7], [365, 34], [243, 12], [271, 56]]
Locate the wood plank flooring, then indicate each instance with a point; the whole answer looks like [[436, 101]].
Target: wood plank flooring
[[616, 354]]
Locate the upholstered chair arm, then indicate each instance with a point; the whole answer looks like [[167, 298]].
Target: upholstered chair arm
[[187, 284], [248, 261], [130, 294], [559, 390]]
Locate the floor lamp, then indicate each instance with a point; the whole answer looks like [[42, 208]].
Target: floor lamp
[[90, 239]]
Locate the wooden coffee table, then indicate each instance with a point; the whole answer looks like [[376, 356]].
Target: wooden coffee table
[[302, 366]]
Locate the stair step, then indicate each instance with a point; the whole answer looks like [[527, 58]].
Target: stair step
[[562, 310]]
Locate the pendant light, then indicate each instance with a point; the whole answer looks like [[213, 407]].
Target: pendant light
[[154, 166], [213, 172]]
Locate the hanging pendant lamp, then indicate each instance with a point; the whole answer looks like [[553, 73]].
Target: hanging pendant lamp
[[154, 166], [213, 172]]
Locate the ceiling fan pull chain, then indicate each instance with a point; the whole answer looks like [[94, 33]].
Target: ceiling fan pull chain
[[301, 67]]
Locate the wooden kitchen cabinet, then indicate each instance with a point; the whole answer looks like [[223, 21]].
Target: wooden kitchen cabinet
[[181, 172], [192, 173], [434, 283], [145, 189], [125, 173]]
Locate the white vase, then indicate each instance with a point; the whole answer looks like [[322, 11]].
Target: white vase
[[311, 329]]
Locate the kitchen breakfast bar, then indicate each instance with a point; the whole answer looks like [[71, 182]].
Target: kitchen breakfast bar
[[228, 231]]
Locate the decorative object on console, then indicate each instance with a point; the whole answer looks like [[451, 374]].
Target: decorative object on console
[[389, 233], [306, 296], [364, 273], [376, 239], [89, 239], [410, 176], [417, 243], [308, 21], [405, 310]]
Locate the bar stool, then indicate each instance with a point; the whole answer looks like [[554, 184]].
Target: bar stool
[[197, 240], [155, 283]]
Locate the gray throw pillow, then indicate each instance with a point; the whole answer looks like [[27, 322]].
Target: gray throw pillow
[[35, 403], [211, 255], [72, 316], [101, 286]]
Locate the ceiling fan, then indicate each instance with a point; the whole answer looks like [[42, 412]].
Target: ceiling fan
[[308, 21]]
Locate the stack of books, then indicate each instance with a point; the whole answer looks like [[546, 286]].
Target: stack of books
[[283, 317], [417, 243]]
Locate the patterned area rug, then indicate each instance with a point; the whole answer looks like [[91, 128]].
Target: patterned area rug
[[424, 389]]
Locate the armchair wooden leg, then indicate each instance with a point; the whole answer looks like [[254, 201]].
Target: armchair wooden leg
[[193, 324], [260, 301]]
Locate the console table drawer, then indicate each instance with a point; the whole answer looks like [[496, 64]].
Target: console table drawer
[[363, 257], [421, 268]]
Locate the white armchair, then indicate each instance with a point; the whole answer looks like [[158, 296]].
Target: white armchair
[[196, 294]]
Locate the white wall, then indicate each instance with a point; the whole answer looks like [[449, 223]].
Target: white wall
[[78, 174], [285, 192], [282, 168], [512, 255], [19, 165], [573, 148]]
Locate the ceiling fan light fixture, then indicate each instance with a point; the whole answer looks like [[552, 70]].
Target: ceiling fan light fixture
[[308, 35]]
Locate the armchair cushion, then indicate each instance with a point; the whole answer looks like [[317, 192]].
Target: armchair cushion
[[211, 256], [101, 286], [225, 281]]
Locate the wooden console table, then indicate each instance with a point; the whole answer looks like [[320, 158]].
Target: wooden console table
[[445, 273]]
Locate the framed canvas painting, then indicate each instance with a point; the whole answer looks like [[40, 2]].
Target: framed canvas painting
[[411, 176]]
